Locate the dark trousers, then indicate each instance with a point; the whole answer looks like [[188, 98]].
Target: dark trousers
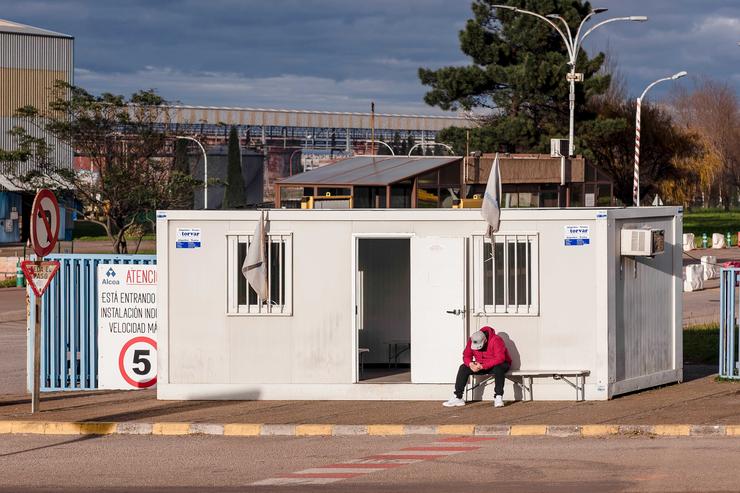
[[498, 371]]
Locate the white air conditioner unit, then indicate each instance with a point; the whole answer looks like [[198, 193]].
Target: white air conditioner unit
[[558, 147], [642, 242]]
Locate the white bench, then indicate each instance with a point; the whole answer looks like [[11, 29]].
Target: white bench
[[527, 376]]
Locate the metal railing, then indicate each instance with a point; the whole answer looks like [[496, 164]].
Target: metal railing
[[729, 350], [69, 321]]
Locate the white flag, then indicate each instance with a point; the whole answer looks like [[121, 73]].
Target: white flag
[[255, 264], [491, 207]]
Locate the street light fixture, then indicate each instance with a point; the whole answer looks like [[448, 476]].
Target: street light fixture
[[573, 45], [636, 181], [205, 167]]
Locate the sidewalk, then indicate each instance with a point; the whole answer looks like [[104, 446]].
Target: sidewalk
[[699, 402]]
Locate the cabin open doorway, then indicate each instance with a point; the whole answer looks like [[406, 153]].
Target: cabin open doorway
[[383, 311]]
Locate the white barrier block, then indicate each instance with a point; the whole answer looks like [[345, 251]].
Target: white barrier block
[[709, 267], [693, 277], [688, 242], [718, 240]]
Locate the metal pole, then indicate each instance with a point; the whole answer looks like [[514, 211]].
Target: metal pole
[[372, 127], [35, 398], [636, 182], [572, 107]]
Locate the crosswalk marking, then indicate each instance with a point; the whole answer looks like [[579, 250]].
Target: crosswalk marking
[[353, 468]]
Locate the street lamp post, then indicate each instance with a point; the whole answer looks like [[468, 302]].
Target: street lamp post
[[205, 167], [573, 45], [636, 181]]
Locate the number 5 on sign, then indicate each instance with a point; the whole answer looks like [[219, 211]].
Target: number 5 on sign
[[136, 362]]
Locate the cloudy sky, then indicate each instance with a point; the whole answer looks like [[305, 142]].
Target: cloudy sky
[[341, 54]]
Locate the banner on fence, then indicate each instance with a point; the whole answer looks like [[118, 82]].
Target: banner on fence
[[127, 330]]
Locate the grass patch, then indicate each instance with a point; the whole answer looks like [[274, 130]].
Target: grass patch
[[701, 344], [723, 379], [711, 221], [7, 283], [105, 238]]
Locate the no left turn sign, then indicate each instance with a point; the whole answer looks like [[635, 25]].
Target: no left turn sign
[[44, 223]]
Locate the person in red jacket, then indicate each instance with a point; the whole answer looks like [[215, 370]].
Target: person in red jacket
[[484, 354]]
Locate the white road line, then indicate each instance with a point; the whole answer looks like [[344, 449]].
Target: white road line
[[421, 452], [381, 461], [295, 481], [324, 470]]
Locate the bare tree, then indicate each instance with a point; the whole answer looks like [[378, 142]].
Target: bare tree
[[711, 109]]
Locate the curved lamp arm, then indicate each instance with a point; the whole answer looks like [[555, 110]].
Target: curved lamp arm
[[675, 76], [381, 142], [632, 18], [449, 148], [554, 26]]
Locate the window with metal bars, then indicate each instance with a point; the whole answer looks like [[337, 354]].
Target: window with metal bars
[[506, 274], [243, 300]]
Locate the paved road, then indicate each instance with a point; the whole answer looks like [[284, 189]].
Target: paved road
[[200, 463], [12, 357]]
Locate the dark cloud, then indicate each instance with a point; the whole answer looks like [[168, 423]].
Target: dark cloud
[[338, 54]]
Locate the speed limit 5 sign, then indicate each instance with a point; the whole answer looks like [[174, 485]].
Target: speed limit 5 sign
[[127, 326]]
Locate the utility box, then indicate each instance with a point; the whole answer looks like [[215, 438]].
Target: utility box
[[642, 242]]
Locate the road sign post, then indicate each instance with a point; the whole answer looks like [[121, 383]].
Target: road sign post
[[44, 234]]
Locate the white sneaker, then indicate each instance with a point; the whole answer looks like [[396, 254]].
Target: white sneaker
[[454, 402], [498, 401]]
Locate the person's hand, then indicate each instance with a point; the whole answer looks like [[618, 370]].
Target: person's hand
[[475, 366]]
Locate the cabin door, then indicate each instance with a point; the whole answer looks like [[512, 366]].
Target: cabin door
[[437, 308]]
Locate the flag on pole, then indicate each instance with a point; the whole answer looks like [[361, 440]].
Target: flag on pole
[[254, 267], [491, 207]]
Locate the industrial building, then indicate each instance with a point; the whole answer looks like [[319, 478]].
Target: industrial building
[[539, 180], [32, 60]]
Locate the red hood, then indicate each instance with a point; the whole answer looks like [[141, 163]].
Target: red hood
[[488, 331]]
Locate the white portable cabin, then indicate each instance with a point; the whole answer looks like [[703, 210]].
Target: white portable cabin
[[359, 286]]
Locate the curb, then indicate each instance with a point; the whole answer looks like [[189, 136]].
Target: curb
[[304, 430]]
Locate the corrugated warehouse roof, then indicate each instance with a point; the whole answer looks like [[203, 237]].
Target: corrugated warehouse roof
[[11, 27], [369, 170]]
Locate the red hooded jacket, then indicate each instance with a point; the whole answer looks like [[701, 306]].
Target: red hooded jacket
[[493, 353]]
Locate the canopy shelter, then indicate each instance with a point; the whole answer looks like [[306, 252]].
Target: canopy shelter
[[377, 182]]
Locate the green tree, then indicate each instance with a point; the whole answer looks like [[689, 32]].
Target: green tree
[[518, 73], [410, 142], [234, 196], [182, 169], [610, 141], [131, 156], [396, 144]]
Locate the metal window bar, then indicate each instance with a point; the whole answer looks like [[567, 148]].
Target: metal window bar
[[516, 273], [508, 271]]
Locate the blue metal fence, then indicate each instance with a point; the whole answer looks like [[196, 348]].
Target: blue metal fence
[[729, 340], [69, 321]]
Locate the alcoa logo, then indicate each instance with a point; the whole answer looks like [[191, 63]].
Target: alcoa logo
[[110, 274]]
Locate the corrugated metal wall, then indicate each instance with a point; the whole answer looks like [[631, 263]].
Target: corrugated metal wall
[[644, 291], [29, 65]]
